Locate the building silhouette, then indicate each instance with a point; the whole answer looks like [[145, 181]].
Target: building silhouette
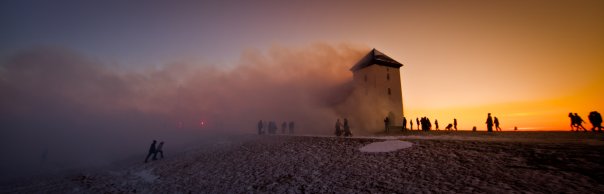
[[376, 91]]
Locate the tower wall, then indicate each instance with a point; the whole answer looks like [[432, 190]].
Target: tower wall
[[378, 92]]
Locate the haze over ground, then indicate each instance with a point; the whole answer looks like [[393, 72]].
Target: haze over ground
[[114, 74]]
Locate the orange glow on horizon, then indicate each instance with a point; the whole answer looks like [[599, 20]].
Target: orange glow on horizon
[[534, 115]]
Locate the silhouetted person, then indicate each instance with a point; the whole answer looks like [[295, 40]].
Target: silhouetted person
[[515, 128], [347, 128], [284, 127], [455, 124], [404, 123], [579, 122], [151, 151], [497, 124], [426, 124], [436, 123], [573, 121], [596, 121], [489, 123], [260, 126], [160, 150], [449, 126], [273, 127], [386, 124], [417, 122], [291, 127], [474, 129], [411, 125], [338, 128]]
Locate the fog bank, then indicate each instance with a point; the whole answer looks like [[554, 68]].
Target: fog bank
[[63, 109]]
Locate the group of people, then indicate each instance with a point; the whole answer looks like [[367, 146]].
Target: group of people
[[153, 150], [425, 124], [271, 127], [343, 129], [490, 122], [576, 122]]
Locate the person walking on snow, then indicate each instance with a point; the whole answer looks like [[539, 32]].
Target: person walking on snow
[[497, 124], [489, 123], [159, 149], [151, 151]]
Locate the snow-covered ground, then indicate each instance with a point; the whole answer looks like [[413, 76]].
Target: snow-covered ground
[[386, 146], [424, 162]]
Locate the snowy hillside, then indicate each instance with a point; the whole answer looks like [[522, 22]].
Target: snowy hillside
[[303, 164]]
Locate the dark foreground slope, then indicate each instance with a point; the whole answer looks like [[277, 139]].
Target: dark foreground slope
[[286, 164]]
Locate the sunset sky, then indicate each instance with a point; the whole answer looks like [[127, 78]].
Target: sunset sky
[[527, 62]]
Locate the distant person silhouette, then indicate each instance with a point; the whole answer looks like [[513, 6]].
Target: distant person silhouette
[[291, 127], [386, 124], [160, 150], [347, 132], [151, 151], [338, 128], [579, 122], [449, 126], [260, 125], [404, 123], [573, 122], [284, 127], [474, 129], [489, 123], [497, 124], [515, 128], [596, 121], [455, 124], [411, 125], [436, 124], [417, 122], [273, 127]]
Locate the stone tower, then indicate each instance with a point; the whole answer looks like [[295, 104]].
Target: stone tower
[[377, 92]]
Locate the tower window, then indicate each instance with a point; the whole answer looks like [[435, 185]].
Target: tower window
[[389, 92]]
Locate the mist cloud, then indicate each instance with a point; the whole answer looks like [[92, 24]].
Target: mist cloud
[[76, 108]]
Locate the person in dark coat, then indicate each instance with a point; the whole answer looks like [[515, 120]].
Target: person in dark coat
[[573, 122], [404, 123], [455, 124], [347, 128], [497, 124], [159, 150], [386, 124], [260, 126], [579, 122], [489, 123], [596, 121], [291, 127], [151, 151], [449, 126]]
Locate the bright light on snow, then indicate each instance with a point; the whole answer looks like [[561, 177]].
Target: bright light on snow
[[386, 146]]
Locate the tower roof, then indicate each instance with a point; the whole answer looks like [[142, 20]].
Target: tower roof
[[375, 57]]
